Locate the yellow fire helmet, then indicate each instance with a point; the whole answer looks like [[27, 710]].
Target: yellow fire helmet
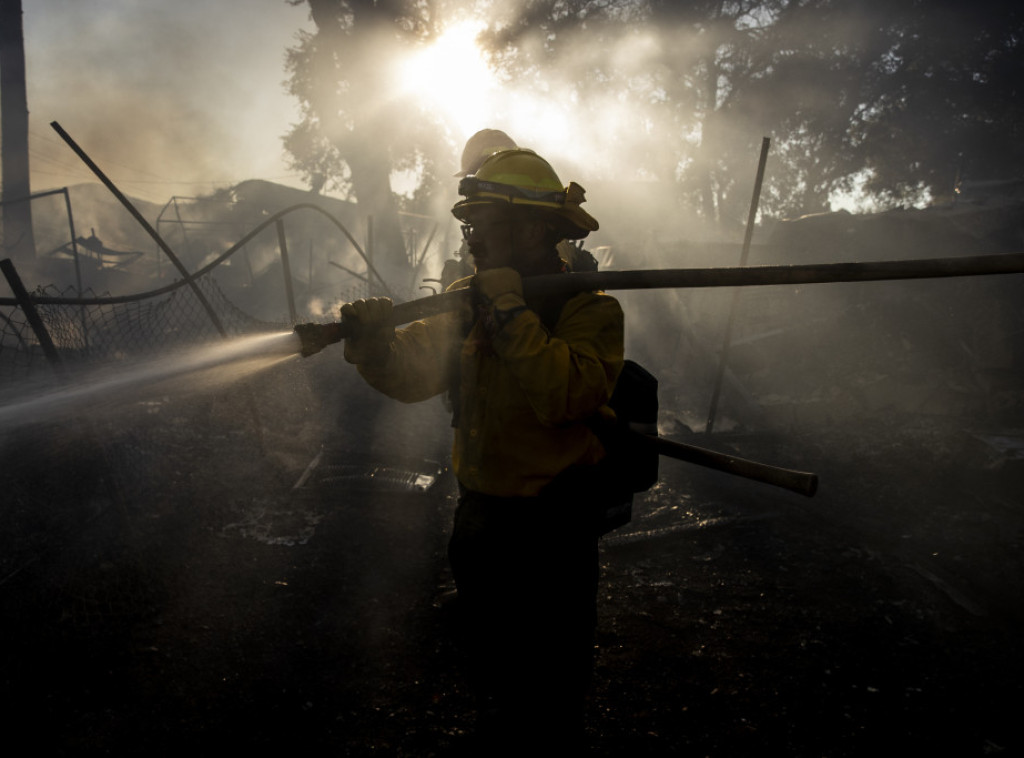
[[520, 177]]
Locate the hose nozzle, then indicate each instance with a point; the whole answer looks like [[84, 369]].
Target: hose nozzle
[[315, 337]]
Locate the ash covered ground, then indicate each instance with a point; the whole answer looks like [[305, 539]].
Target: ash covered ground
[[261, 565], [192, 586]]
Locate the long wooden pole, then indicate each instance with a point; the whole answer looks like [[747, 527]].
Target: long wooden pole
[[801, 482]]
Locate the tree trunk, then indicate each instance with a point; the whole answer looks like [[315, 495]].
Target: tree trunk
[[362, 141], [372, 184], [708, 145]]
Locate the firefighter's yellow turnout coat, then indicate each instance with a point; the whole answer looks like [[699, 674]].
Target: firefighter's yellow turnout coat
[[523, 393]]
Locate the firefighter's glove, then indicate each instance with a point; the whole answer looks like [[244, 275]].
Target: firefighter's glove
[[453, 271], [500, 291], [372, 330]]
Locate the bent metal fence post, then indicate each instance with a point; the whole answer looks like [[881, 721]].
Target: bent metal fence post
[[286, 268], [188, 278]]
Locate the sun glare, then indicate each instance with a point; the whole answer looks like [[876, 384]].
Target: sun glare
[[450, 78], [450, 75]]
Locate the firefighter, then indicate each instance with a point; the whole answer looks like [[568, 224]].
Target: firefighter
[[478, 148], [481, 146], [526, 378]]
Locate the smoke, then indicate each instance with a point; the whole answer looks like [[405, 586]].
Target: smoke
[[183, 98], [193, 92], [609, 132], [598, 110], [167, 98]]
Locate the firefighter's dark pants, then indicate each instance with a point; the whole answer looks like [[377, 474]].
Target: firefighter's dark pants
[[526, 571]]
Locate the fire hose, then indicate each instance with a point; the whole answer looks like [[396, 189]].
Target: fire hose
[[315, 337]]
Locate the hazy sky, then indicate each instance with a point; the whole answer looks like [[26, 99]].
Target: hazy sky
[[166, 97]]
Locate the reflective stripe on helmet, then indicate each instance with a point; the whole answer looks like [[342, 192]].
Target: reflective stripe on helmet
[[473, 187]]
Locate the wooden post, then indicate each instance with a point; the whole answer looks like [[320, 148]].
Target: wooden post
[[19, 238], [723, 358]]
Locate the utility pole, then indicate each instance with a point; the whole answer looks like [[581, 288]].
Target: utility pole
[[18, 239]]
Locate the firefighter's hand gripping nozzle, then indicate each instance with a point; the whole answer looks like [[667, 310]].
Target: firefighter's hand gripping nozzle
[[315, 337]]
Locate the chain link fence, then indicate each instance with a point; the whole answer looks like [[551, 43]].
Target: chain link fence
[[87, 329]]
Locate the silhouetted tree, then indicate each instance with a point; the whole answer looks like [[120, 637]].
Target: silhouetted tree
[[948, 85], [694, 65], [354, 132], [897, 92]]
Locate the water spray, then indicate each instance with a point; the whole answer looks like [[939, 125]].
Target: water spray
[[210, 364]]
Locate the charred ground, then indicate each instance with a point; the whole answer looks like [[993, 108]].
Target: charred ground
[[176, 589]]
